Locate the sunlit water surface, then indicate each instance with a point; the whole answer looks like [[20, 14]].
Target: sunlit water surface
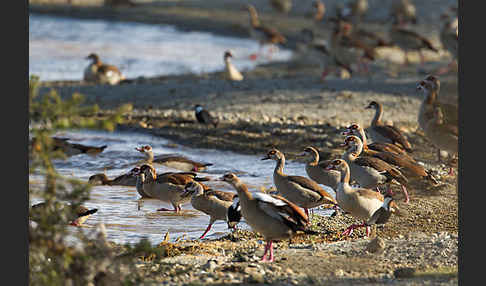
[[58, 47]]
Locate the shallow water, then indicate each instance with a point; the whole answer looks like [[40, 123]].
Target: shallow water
[[118, 205], [58, 47]]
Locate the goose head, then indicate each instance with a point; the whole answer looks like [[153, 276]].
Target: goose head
[[273, 154]]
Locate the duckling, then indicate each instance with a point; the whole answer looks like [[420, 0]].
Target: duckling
[[77, 216]]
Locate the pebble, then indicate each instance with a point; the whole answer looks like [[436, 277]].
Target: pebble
[[377, 245]]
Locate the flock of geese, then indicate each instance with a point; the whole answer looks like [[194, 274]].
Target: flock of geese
[[357, 177], [349, 48]]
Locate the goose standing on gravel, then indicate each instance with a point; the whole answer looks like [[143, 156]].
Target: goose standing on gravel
[[167, 187], [362, 203], [409, 40], [371, 172], [211, 202], [444, 136], [301, 191], [263, 34], [128, 179], [99, 72], [204, 117], [272, 216], [358, 130], [380, 132], [172, 160], [407, 165], [317, 170], [231, 72], [449, 39]]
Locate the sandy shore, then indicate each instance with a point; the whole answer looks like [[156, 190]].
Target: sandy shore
[[286, 104]]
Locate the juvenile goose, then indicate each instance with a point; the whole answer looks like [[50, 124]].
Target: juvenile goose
[[317, 170], [361, 203], [230, 70], [301, 191], [409, 40], [167, 187], [173, 161], [380, 132], [263, 34], [370, 172], [77, 216], [444, 136], [128, 179], [204, 117], [272, 216], [211, 202], [99, 72], [357, 130]]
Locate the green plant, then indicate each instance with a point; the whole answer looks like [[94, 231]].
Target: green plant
[[53, 261]]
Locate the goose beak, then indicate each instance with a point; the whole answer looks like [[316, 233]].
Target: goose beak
[[266, 158], [346, 132], [139, 149], [301, 154]]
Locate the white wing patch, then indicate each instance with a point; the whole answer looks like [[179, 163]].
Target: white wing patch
[[268, 199]]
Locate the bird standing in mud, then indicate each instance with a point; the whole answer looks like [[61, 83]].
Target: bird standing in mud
[[204, 117]]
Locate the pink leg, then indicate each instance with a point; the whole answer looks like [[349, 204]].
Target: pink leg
[[368, 230], [207, 229], [306, 212], [271, 250], [451, 171], [350, 229], [407, 198], [264, 257]]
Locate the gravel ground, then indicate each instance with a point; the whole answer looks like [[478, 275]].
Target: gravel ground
[[286, 104]]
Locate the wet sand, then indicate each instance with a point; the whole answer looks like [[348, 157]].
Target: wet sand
[[286, 104]]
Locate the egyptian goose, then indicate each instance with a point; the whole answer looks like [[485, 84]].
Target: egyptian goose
[[263, 34], [361, 203], [371, 172], [357, 130], [211, 202], [444, 136], [347, 50], [128, 179], [380, 132], [99, 72], [71, 149], [204, 117], [449, 39], [299, 190], [410, 169], [231, 72], [403, 12], [272, 216], [430, 87], [167, 187], [76, 216], [409, 40], [282, 6], [316, 170], [172, 161]]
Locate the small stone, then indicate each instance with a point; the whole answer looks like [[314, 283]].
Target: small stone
[[404, 272], [339, 272], [377, 245], [210, 265]]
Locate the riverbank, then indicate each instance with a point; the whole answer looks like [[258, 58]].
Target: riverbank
[[286, 105]]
